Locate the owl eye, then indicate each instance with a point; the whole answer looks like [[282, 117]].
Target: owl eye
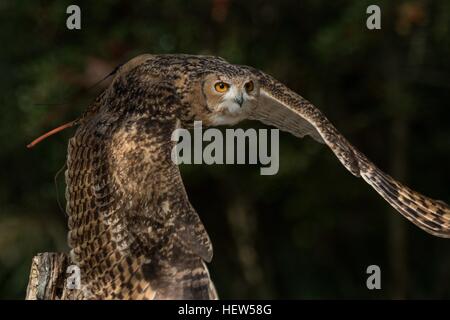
[[221, 87], [249, 86]]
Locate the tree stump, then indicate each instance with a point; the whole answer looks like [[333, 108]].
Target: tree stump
[[48, 278]]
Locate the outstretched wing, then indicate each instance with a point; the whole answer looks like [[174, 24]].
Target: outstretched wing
[[133, 232], [281, 107]]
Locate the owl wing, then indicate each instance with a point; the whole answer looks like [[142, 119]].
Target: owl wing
[[132, 230], [288, 111]]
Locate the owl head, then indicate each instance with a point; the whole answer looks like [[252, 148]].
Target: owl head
[[229, 98]]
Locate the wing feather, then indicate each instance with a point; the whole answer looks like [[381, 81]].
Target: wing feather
[[288, 111], [132, 229]]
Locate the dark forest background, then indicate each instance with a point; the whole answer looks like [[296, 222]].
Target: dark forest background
[[311, 230]]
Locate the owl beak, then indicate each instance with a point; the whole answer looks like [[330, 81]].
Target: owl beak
[[239, 100]]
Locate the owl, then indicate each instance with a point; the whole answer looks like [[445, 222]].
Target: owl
[[132, 230]]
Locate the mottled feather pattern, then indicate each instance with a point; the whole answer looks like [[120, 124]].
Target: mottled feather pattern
[[430, 215], [132, 229], [116, 257], [433, 216], [126, 203]]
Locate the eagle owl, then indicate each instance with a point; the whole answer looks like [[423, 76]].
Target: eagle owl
[[132, 230]]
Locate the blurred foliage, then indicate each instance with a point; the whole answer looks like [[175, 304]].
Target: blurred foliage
[[311, 230]]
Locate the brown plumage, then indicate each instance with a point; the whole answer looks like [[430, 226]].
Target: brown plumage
[[133, 232], [290, 112]]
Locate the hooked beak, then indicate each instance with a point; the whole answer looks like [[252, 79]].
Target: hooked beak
[[239, 100]]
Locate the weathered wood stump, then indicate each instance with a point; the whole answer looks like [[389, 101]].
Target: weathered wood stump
[[48, 278]]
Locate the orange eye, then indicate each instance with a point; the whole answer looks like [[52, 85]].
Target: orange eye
[[221, 87], [249, 86]]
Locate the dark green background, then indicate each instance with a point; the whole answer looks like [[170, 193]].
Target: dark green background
[[311, 230]]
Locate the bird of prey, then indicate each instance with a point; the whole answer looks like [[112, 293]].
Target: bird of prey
[[132, 230]]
